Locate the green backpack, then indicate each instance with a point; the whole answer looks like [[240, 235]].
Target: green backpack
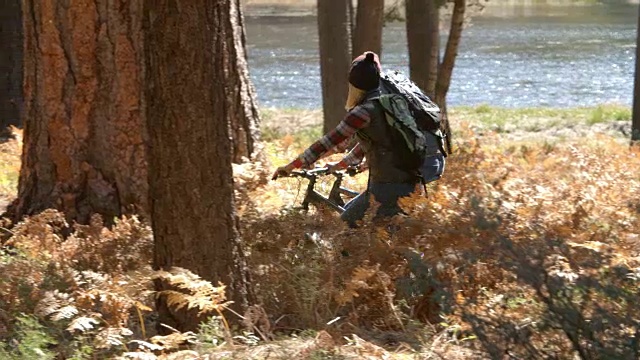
[[415, 149], [409, 142], [414, 126]]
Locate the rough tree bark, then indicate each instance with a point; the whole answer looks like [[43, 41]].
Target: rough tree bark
[[635, 124], [335, 58], [84, 133], [188, 72], [423, 39], [367, 34], [10, 64], [244, 119]]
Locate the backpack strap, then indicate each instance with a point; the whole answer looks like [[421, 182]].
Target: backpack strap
[[440, 143], [382, 102]]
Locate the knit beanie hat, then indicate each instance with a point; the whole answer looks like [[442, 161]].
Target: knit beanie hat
[[365, 71]]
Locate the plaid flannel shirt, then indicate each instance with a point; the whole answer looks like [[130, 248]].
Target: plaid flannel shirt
[[358, 118]]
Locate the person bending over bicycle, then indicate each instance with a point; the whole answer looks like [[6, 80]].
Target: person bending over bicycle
[[366, 121]]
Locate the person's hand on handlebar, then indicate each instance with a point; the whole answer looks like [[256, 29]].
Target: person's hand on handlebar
[[334, 167], [283, 171]]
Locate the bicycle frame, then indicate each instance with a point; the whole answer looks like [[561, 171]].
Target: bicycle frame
[[334, 200]]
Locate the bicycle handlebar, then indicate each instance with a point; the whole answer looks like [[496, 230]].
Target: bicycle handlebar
[[313, 173]]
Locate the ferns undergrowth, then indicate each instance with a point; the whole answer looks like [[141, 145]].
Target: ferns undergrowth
[[527, 250]]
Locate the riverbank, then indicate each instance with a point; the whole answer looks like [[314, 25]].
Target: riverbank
[[513, 125]]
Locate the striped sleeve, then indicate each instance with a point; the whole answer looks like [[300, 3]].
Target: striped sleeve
[[354, 157], [356, 119]]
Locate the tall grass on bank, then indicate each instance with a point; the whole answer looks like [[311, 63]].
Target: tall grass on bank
[[528, 124], [524, 248]]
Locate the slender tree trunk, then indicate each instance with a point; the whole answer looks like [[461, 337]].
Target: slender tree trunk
[[635, 126], [448, 62], [335, 58], [368, 28], [188, 73], [423, 39], [84, 133], [352, 20], [244, 118], [10, 63]]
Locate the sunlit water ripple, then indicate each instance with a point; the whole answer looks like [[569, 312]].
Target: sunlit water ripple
[[502, 62]]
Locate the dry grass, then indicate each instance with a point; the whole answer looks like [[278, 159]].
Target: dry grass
[[10, 152], [528, 248], [516, 240], [522, 124], [546, 124]]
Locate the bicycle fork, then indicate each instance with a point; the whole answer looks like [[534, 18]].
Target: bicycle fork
[[334, 200]]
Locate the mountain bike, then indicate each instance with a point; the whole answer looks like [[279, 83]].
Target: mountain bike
[[336, 198]]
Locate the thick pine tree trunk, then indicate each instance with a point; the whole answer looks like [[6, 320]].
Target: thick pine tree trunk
[[10, 64], [635, 125], [188, 73], [335, 58], [84, 133], [367, 34], [244, 118], [423, 39]]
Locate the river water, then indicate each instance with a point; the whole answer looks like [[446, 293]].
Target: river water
[[579, 57]]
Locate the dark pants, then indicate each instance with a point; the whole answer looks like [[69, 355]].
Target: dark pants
[[387, 194]]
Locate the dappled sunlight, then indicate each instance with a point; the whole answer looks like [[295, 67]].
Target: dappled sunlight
[[559, 201], [518, 238], [10, 152]]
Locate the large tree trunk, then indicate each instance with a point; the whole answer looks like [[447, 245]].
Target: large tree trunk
[[84, 134], [367, 34], [335, 58], [423, 40], [10, 63], [244, 118], [635, 126], [188, 72]]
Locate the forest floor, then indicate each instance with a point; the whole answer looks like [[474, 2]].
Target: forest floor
[[529, 247], [513, 125]]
